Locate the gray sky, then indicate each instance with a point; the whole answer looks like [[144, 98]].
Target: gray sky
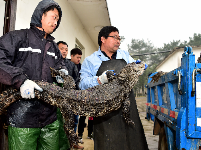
[[159, 21]]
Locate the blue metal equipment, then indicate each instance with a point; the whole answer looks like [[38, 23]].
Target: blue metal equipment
[[174, 104]]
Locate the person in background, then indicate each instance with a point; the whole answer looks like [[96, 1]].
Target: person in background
[[72, 71], [27, 55], [90, 128], [111, 132], [71, 67], [76, 55]]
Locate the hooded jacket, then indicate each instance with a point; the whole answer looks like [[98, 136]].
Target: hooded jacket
[[38, 12], [25, 54]]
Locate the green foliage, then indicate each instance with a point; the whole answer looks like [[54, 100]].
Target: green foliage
[[122, 38], [195, 40], [143, 47]]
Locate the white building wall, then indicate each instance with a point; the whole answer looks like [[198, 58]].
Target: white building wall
[[69, 29], [170, 63], [174, 60]]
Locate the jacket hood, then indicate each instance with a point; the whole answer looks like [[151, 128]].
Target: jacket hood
[[38, 12]]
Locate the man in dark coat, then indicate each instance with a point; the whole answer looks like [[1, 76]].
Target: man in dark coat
[[27, 55], [76, 55], [71, 67], [72, 71], [111, 131]]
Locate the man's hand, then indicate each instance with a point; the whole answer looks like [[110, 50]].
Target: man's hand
[[145, 66], [139, 61], [64, 71], [103, 77], [27, 89], [59, 79]]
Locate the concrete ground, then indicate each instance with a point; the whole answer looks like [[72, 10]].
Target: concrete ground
[[152, 140], [88, 143]]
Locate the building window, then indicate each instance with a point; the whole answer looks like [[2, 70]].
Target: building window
[[81, 47]]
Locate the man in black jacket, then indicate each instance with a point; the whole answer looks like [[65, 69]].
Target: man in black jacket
[[72, 71], [76, 55], [71, 67], [27, 55]]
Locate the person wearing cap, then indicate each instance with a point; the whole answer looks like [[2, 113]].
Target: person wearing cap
[[27, 55]]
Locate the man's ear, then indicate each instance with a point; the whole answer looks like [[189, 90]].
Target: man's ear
[[103, 39]]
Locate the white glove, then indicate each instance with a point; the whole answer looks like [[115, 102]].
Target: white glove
[[64, 71], [59, 79], [27, 89], [103, 78]]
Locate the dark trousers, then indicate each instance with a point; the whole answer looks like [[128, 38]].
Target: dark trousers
[[90, 127], [81, 125]]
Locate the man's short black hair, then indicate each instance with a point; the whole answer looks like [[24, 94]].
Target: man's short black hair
[[62, 42], [75, 51], [51, 8], [105, 31]]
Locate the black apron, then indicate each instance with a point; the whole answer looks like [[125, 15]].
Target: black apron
[[111, 132]]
